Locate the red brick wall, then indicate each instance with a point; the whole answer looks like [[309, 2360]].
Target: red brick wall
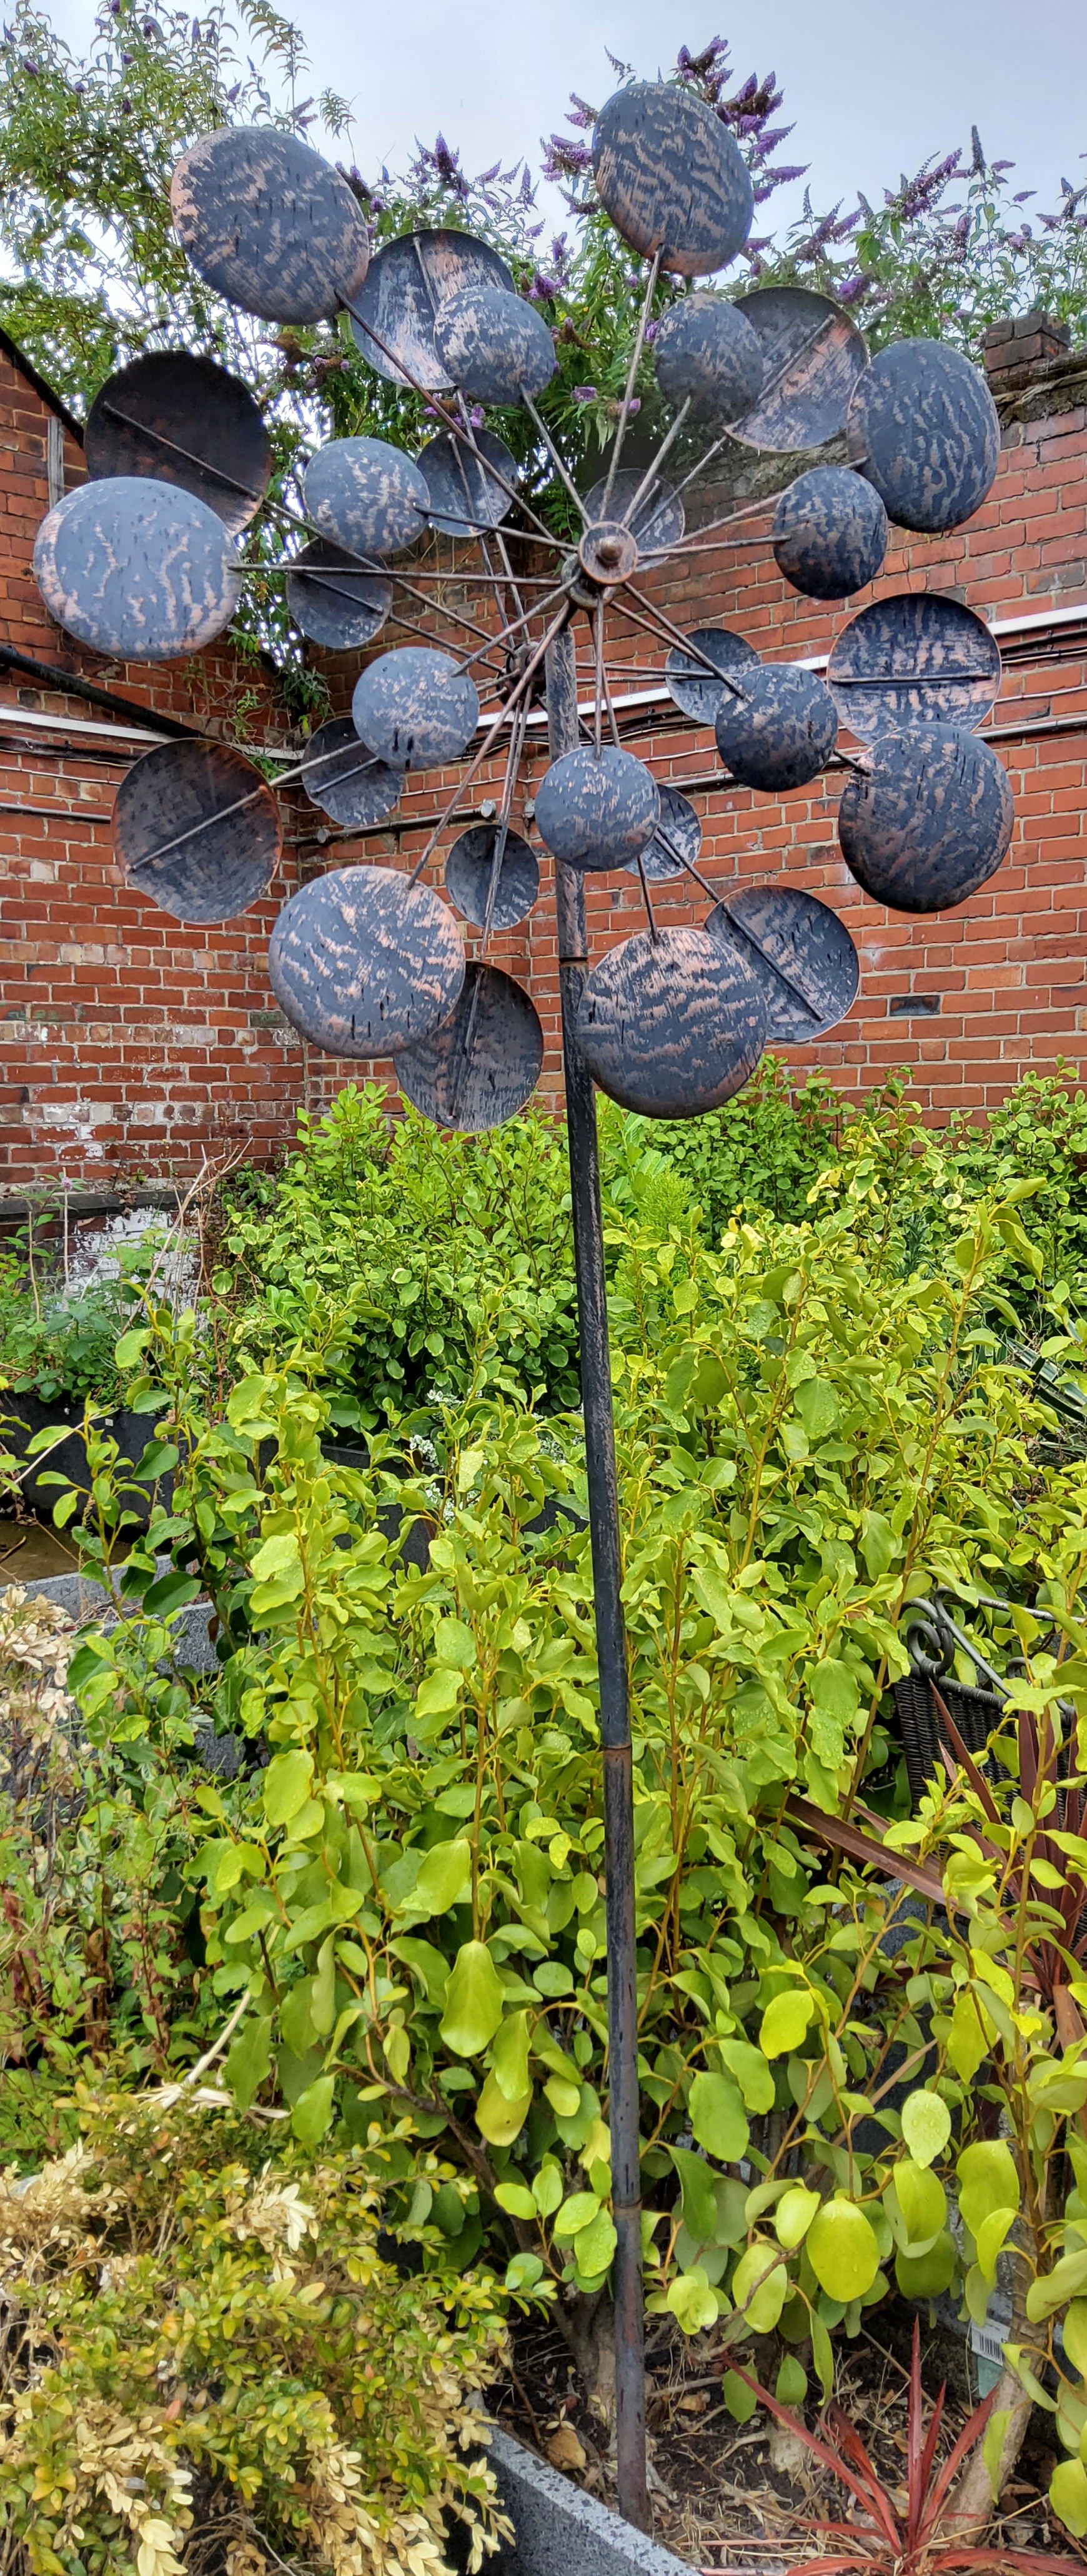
[[131, 1045]]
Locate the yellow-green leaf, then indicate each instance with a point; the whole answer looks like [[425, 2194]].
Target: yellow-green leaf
[[794, 2214], [991, 2236], [717, 2117], [785, 2021], [498, 2119], [1075, 2335], [287, 1785], [691, 2301], [988, 2180], [1068, 2496], [509, 2056], [473, 2001], [843, 2250], [916, 2205], [761, 2305], [926, 2126]]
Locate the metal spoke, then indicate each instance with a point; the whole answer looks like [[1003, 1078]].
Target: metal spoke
[[639, 343], [660, 626], [252, 796], [556, 459], [652, 472], [689, 545], [539, 610], [498, 853], [451, 422], [516, 694]]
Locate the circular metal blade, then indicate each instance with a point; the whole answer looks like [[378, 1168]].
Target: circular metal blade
[[669, 173], [364, 963], [180, 419], [495, 346], [693, 688], [344, 779], [830, 533], [781, 733], [707, 354], [597, 809], [408, 280], [658, 521], [366, 495], [332, 600], [462, 493], [269, 224], [468, 877], [187, 794], [802, 954], [929, 821], [414, 708], [679, 824], [923, 427], [484, 1061], [812, 357], [914, 659], [139, 570], [671, 1026]]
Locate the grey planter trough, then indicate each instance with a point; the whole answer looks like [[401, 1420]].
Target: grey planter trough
[[558, 2531]]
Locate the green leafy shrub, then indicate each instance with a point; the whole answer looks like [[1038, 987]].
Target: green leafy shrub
[[201, 2330], [451, 1253], [100, 1947], [409, 1894]]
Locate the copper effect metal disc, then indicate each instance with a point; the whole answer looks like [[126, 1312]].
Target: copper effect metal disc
[[345, 780], [468, 877], [914, 659], [366, 495], [462, 493], [929, 822], [496, 346], [812, 357], [669, 173], [187, 793], [781, 733], [597, 809], [181, 419], [801, 953], [332, 600], [137, 569], [688, 682], [923, 426], [673, 1026], [408, 280], [364, 963], [414, 708], [678, 832], [829, 533], [484, 1061], [707, 354], [269, 224]]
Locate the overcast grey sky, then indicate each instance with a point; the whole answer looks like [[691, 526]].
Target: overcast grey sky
[[872, 88]]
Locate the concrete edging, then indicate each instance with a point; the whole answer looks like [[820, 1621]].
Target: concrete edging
[[559, 2531]]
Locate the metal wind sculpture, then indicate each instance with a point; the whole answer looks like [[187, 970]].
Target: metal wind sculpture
[[141, 563]]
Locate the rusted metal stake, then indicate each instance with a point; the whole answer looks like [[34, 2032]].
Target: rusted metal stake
[[610, 1638]]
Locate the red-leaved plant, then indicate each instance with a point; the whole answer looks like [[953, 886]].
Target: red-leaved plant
[[920, 2542]]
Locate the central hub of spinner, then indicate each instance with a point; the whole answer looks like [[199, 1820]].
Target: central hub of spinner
[[608, 554]]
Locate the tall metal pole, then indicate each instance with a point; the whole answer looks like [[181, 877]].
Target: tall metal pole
[[610, 1638]]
